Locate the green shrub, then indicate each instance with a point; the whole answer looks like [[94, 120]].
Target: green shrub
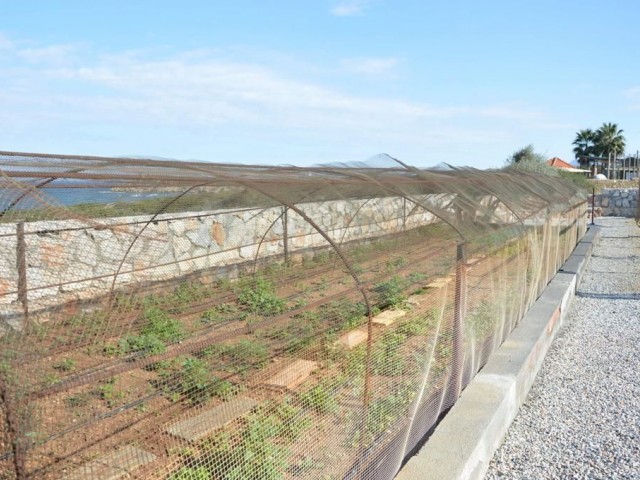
[[159, 330], [220, 313], [191, 377], [110, 394], [260, 298], [146, 344], [162, 326], [384, 412], [320, 399], [260, 451], [344, 313], [65, 365], [248, 353], [390, 293]]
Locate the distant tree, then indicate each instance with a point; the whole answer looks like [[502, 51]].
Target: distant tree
[[528, 159], [584, 146], [609, 140]]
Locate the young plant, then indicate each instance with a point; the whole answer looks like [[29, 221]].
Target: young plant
[[390, 293], [260, 298], [220, 313], [110, 394], [65, 365], [159, 330], [320, 399]]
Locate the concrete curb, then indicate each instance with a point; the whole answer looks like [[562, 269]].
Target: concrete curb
[[464, 442]]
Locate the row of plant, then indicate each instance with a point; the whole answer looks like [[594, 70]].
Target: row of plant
[[220, 371]]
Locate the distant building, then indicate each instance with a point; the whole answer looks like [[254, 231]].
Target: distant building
[[567, 167]]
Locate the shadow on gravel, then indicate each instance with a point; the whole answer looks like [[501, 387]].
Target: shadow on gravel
[[610, 296], [607, 257]]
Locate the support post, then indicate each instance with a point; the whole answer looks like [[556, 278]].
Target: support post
[[22, 269], [593, 205], [285, 233], [404, 214], [458, 319]]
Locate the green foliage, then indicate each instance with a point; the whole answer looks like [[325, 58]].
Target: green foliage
[[260, 451], [145, 344], [416, 277], [320, 399], [584, 145], [195, 381], [247, 353], [384, 412], [344, 313], [418, 324], [186, 293], [65, 365], [394, 263], [527, 159], [191, 473], [160, 325], [79, 400], [110, 394], [386, 358], [220, 313], [609, 140], [482, 319], [390, 293], [159, 330], [260, 298], [579, 180], [191, 377]]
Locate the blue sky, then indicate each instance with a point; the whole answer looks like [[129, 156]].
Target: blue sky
[[311, 81]]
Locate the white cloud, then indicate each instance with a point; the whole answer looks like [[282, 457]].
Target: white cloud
[[349, 8], [209, 90], [52, 55], [5, 43], [371, 66], [205, 92]]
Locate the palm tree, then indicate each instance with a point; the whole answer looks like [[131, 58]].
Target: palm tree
[[609, 140], [584, 146]]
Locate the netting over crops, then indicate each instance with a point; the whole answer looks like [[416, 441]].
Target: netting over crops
[[191, 320]]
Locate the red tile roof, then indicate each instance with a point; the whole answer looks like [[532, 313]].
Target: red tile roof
[[559, 163]]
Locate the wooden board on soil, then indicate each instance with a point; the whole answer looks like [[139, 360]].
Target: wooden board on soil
[[114, 465], [387, 317], [352, 339], [439, 282], [199, 426], [294, 374]]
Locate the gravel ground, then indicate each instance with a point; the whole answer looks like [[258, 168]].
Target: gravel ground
[[581, 419]]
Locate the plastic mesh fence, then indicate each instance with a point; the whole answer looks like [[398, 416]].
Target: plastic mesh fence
[[188, 320]]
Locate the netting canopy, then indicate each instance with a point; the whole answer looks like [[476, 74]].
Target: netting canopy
[[191, 320]]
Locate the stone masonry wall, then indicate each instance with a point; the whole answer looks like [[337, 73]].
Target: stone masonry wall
[[78, 260], [618, 202]]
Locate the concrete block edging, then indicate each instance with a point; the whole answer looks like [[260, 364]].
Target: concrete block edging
[[464, 442]]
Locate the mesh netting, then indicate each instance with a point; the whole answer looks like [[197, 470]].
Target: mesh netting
[[188, 320]]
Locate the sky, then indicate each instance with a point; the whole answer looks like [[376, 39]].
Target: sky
[[302, 82]]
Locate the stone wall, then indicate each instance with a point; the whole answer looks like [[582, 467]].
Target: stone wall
[[617, 202], [78, 260]]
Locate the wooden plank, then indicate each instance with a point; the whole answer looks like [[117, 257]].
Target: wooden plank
[[387, 317], [418, 299], [197, 427], [113, 465], [439, 282], [294, 374], [352, 339]]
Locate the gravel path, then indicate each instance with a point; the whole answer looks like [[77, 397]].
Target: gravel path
[[581, 419]]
